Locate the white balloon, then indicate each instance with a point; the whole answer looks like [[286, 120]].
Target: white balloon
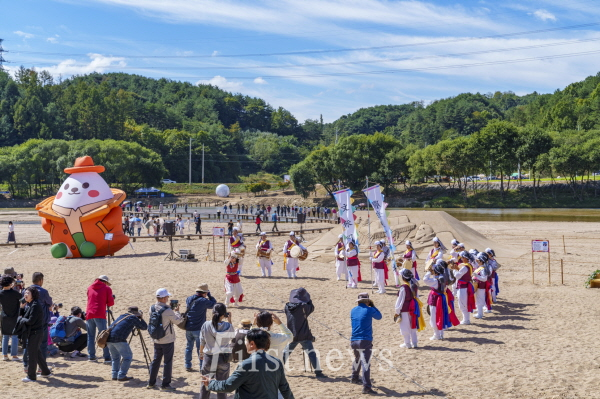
[[222, 191]]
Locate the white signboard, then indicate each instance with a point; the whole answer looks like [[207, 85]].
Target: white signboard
[[540, 246], [218, 231], [108, 236], [286, 178]]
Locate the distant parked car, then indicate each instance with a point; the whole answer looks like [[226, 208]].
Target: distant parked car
[[167, 181]]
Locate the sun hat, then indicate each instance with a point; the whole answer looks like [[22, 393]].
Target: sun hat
[[105, 279], [202, 288]]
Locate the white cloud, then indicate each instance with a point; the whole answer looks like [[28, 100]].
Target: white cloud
[[98, 63], [260, 81], [52, 40], [222, 83], [544, 15], [24, 35], [215, 53]]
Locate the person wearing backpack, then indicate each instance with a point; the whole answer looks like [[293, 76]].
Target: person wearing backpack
[[239, 351], [117, 344], [215, 347], [74, 340], [162, 332], [196, 307]]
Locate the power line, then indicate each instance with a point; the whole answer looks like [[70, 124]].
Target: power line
[[383, 60], [2, 60], [301, 52], [388, 71]]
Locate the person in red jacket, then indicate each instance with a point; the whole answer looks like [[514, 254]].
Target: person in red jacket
[[100, 297]]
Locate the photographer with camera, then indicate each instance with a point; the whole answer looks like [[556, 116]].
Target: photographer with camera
[[74, 340], [361, 341], [160, 327], [100, 298], [196, 307], [297, 311], [19, 285], [120, 351], [215, 347]]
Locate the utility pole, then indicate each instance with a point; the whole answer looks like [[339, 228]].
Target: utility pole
[[2, 60], [202, 163], [190, 182]]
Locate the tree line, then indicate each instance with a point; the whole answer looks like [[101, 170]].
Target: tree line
[[498, 149], [35, 168]]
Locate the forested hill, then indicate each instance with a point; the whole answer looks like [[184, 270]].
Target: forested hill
[[575, 107], [244, 134]]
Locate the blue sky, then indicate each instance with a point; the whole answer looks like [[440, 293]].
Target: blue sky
[[313, 57]]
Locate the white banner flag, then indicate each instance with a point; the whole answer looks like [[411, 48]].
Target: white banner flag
[[346, 215], [376, 200]]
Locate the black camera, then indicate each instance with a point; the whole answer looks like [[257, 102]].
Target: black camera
[[174, 303], [22, 300], [227, 314], [82, 315]]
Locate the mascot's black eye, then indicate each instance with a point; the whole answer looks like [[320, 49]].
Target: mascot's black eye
[[66, 186], [86, 185]]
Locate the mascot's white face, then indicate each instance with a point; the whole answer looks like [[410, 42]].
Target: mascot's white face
[[82, 189]]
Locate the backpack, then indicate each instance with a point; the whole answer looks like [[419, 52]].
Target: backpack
[[155, 325], [58, 331]]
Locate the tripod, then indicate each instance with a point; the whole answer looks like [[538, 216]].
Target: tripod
[[138, 332], [172, 255], [109, 316]]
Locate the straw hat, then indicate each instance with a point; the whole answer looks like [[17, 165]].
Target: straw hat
[[202, 288], [84, 164]]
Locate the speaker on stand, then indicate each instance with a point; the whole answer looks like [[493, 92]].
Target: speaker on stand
[[170, 232]]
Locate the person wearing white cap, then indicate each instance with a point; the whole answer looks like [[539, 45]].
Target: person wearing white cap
[[236, 244], [163, 347], [378, 260], [388, 257], [291, 264], [340, 259], [494, 266], [263, 246]]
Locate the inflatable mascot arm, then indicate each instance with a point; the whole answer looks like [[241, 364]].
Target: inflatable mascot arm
[[82, 212]]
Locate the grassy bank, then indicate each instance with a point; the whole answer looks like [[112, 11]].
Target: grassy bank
[[514, 199]]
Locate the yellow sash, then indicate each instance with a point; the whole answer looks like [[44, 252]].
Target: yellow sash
[[434, 254], [236, 242]]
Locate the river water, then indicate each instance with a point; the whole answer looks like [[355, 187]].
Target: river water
[[521, 215]]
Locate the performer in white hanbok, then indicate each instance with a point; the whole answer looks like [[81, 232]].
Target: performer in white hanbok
[[264, 250], [463, 272], [291, 265], [354, 275], [494, 265], [410, 259], [379, 268], [340, 259], [481, 279], [437, 252], [408, 308]]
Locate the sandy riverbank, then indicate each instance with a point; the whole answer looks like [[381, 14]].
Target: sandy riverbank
[[540, 340]]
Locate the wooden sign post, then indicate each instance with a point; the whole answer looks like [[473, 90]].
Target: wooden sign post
[[540, 246]]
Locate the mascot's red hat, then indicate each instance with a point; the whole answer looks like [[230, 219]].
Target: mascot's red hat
[[84, 164]]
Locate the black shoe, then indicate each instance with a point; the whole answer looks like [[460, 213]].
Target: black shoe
[[125, 378], [319, 374], [191, 370], [114, 379], [369, 391], [356, 381]]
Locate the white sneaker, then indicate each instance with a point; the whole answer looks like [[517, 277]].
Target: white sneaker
[[478, 317], [434, 338], [405, 346], [466, 323], [487, 311], [74, 353], [338, 279], [26, 379]]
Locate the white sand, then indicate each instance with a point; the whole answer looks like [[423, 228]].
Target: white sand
[[541, 341]]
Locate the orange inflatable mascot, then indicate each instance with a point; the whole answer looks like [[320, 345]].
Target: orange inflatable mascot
[[83, 211]]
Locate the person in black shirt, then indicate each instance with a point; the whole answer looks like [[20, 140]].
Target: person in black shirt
[[9, 299], [32, 319]]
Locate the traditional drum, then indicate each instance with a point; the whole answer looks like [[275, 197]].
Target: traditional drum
[[263, 254], [304, 255], [296, 251], [429, 265], [407, 264]]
